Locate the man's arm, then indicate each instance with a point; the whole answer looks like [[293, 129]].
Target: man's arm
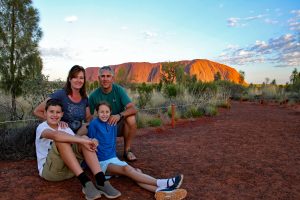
[[129, 110]]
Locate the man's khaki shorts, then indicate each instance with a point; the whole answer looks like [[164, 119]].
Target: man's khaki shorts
[[55, 169]]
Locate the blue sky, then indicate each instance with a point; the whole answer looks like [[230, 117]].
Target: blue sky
[[259, 37]]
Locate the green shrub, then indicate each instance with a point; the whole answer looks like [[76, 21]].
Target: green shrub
[[269, 92], [210, 110], [155, 122], [145, 94], [237, 91], [254, 93], [145, 120], [224, 104], [171, 91], [200, 87], [142, 119], [193, 112]]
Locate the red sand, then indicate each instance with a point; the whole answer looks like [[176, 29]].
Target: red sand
[[251, 151]]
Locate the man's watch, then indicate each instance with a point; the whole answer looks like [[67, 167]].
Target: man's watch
[[121, 115]]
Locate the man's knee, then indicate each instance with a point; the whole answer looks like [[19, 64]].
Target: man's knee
[[130, 121]]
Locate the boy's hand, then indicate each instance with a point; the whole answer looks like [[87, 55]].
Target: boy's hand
[[90, 144], [95, 142], [63, 124], [113, 120]]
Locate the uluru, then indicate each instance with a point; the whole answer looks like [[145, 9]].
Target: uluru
[[139, 72]]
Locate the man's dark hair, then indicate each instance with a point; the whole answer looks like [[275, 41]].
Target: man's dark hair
[[53, 102]]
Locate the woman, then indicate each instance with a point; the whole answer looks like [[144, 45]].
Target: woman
[[74, 99]]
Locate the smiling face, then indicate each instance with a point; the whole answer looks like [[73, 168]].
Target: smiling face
[[53, 115], [104, 113], [106, 79], [77, 81]]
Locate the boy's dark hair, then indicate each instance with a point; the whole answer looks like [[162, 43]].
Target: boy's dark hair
[[53, 102], [103, 103]]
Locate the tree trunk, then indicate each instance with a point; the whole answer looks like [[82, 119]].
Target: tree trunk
[[12, 66], [13, 107]]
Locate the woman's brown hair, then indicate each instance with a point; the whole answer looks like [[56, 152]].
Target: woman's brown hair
[[72, 74]]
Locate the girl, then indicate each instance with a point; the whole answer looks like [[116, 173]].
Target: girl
[[106, 151]]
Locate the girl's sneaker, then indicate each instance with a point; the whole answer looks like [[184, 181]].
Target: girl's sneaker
[[175, 182]]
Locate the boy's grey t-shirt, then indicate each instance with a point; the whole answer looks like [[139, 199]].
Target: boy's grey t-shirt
[[74, 113]]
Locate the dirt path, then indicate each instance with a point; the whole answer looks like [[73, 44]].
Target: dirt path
[[248, 152]]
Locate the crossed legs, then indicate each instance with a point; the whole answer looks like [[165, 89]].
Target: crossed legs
[[145, 181]]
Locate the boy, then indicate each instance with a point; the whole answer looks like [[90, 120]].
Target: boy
[[105, 133], [59, 153]]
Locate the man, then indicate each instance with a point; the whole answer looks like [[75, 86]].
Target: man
[[123, 109]]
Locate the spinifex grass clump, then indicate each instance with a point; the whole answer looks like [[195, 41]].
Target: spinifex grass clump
[[192, 112], [155, 122], [210, 110]]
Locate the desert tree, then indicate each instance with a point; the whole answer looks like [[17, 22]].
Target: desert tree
[[217, 76], [294, 76], [273, 82], [241, 77], [19, 55], [168, 75]]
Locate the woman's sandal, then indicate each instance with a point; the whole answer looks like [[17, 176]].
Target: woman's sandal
[[129, 156]]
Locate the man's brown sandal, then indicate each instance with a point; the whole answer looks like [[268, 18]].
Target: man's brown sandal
[[129, 156]]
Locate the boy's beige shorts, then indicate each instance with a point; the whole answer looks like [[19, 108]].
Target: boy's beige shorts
[[54, 168]]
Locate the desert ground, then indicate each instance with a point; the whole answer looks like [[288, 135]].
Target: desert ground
[[250, 151]]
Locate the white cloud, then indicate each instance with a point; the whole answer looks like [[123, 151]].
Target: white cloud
[[52, 52], [270, 21], [149, 35], [233, 21], [294, 22], [71, 19], [283, 51], [124, 28], [238, 22], [296, 12], [101, 49], [232, 46]]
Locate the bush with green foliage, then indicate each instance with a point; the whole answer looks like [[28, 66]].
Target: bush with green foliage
[[172, 90], [192, 112], [210, 110], [154, 122], [145, 94], [200, 87]]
